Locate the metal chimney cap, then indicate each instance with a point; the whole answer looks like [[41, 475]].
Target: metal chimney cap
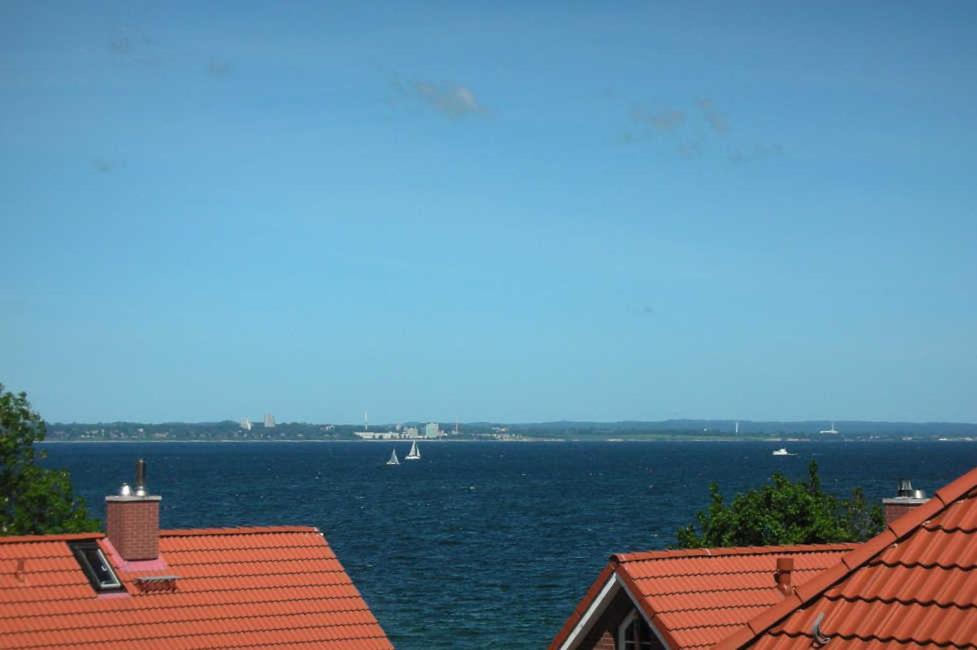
[[905, 488], [919, 494], [125, 490]]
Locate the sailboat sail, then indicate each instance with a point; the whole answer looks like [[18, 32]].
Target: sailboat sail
[[393, 458], [414, 453]]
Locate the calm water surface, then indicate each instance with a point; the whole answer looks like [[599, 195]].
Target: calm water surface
[[479, 543]]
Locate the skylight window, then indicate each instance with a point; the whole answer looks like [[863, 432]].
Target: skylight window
[[96, 567]]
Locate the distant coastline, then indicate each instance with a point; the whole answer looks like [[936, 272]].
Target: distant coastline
[[560, 431]]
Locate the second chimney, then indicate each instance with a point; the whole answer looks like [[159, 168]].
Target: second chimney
[[783, 578], [906, 499], [132, 520]]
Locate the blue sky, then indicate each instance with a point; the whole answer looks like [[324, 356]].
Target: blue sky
[[506, 212]]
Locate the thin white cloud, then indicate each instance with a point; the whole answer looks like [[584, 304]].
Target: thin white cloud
[[450, 99]]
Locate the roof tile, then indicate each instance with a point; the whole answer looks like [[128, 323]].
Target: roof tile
[[695, 597], [258, 587], [913, 585]]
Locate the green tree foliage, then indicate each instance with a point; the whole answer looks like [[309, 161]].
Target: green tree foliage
[[783, 512], [34, 500]]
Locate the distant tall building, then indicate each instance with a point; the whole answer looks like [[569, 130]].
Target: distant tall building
[[432, 430], [246, 424], [269, 421]]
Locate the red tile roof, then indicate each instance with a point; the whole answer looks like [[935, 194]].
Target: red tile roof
[[913, 585], [696, 597], [236, 588]]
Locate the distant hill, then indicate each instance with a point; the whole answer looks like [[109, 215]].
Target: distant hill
[[850, 427]]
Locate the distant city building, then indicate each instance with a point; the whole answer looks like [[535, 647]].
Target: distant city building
[[377, 435], [432, 430], [269, 421], [410, 432], [246, 424]]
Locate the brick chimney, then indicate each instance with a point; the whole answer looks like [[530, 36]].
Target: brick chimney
[[782, 576], [906, 499], [132, 520]]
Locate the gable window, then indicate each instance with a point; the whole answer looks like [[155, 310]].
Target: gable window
[[634, 633], [97, 569]]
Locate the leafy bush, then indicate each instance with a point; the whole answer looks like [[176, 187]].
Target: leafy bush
[[783, 512]]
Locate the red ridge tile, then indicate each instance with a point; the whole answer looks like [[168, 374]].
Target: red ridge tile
[[916, 516], [956, 489]]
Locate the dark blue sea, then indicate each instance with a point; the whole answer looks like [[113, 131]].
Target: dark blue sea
[[481, 544]]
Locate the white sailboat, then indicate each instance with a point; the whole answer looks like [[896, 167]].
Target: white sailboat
[[414, 453], [832, 430], [393, 458], [782, 452]]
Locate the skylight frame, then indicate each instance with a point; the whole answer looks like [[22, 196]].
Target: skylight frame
[[100, 575]]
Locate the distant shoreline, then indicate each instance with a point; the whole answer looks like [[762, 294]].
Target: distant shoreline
[[837, 440]]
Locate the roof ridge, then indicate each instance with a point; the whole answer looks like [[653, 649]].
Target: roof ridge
[[170, 532], [854, 560], [243, 530], [54, 537], [669, 554]]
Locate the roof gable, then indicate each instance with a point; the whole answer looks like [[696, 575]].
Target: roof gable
[[234, 588], [695, 597], [913, 584]]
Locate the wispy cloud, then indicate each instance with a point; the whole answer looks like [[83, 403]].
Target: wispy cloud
[[690, 149], [755, 153], [449, 99], [642, 310], [133, 47], [103, 165], [663, 121], [218, 68], [693, 131], [715, 119], [686, 123], [120, 45]]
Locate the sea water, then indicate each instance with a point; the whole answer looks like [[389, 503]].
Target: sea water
[[481, 544]]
